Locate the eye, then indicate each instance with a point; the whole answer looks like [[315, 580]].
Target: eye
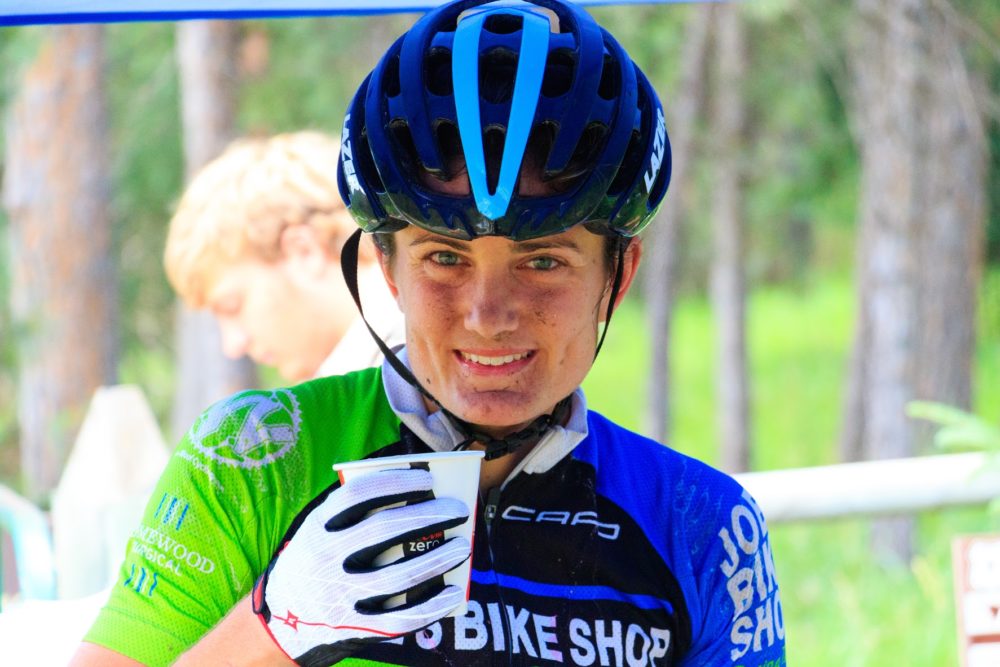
[[445, 258], [543, 263], [229, 307]]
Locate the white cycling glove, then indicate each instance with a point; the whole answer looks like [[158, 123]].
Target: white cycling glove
[[321, 597]]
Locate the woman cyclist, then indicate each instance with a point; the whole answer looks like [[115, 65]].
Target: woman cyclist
[[504, 156]]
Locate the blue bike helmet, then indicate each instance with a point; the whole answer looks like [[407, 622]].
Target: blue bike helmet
[[492, 86]]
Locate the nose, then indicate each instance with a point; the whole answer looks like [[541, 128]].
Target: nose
[[235, 341], [492, 308]]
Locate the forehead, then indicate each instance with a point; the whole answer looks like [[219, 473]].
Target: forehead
[[576, 239]]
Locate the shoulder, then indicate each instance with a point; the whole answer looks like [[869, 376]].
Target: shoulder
[[249, 429], [687, 503], [279, 427], [710, 530], [629, 460]]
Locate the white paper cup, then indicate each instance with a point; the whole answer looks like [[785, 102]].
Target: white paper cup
[[456, 475]]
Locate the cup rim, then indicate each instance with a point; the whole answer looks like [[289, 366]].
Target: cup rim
[[405, 459]]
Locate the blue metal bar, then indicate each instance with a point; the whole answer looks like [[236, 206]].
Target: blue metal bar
[[44, 12]]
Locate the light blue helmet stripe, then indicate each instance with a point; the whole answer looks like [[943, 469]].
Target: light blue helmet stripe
[[527, 87]]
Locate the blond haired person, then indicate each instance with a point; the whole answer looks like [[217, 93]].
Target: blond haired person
[[256, 239]]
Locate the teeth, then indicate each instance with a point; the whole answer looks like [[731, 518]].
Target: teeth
[[493, 361]]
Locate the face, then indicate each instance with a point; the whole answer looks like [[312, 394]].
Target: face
[[500, 331], [270, 311]]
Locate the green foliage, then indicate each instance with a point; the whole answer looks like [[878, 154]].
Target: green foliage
[[993, 185], [802, 166], [958, 429], [978, 24], [147, 175], [798, 340], [8, 421], [314, 66]]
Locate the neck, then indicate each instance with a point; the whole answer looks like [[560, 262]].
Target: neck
[[495, 472]]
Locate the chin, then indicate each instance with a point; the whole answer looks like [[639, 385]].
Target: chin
[[497, 415], [294, 375]]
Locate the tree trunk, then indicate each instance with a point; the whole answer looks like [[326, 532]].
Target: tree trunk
[[893, 34], [682, 111], [852, 424], [922, 229], [64, 284], [953, 241], [207, 57], [728, 282]]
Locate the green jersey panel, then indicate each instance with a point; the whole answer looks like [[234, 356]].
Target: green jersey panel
[[234, 484]]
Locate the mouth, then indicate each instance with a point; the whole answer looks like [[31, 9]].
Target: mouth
[[495, 360]]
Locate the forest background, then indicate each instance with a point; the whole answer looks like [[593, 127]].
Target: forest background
[[829, 251]]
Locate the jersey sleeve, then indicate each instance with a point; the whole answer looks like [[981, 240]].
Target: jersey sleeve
[[202, 538], [739, 619]]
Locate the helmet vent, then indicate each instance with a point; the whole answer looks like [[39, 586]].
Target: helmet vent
[[633, 157], [610, 83], [493, 141], [363, 162], [587, 149], [559, 69], [497, 71], [390, 82], [407, 153], [449, 143], [502, 24], [437, 72]]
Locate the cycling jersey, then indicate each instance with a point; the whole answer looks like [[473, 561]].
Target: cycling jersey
[[621, 552]]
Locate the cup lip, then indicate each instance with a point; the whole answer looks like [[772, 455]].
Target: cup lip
[[404, 459]]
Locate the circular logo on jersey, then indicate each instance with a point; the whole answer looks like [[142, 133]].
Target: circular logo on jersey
[[250, 429]]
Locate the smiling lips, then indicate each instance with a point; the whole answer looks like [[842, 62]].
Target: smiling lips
[[494, 360]]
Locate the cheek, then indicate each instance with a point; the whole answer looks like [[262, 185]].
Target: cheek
[[256, 313], [427, 306], [575, 309], [274, 308]]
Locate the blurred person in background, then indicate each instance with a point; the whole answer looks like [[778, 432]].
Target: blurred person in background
[[256, 240]]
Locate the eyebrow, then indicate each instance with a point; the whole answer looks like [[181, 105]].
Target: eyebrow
[[427, 237], [546, 244], [520, 247]]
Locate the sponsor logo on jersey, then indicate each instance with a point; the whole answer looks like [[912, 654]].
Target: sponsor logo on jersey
[[171, 511], [757, 618], [521, 632], [141, 581], [249, 430], [169, 554], [608, 531]]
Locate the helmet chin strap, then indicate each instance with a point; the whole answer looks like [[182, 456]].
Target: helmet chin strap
[[495, 447]]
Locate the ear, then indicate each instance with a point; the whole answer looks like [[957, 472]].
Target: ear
[[630, 268], [303, 253], [385, 263], [632, 259]]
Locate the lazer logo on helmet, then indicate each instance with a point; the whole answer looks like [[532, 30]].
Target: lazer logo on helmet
[[608, 531], [659, 147], [347, 155]]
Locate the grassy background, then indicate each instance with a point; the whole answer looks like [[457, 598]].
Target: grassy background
[[841, 607]]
